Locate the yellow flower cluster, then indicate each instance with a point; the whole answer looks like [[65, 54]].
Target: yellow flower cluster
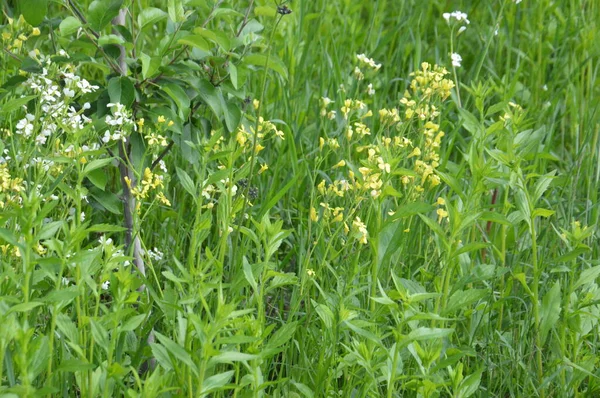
[[360, 230], [156, 139], [20, 32], [429, 83], [331, 214], [389, 117], [428, 87], [149, 182], [155, 136], [325, 102], [245, 138], [441, 211], [9, 187], [355, 105]]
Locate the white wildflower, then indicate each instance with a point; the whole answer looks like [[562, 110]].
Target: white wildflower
[[456, 60]]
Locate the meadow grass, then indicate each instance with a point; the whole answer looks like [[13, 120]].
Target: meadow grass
[[405, 230]]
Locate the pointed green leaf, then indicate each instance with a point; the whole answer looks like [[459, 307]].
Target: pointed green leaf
[[34, 11], [101, 12], [429, 333], [195, 41], [462, 299], [178, 352], [550, 311], [150, 16], [121, 90], [181, 99], [217, 381], [587, 276], [272, 62], [186, 182]]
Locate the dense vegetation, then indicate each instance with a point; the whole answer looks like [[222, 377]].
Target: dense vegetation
[[299, 199]]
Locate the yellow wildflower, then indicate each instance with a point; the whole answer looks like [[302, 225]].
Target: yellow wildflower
[[341, 163], [313, 214]]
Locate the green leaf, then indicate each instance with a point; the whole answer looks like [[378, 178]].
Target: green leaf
[[587, 276], [462, 299], [572, 255], [177, 94], [208, 93], [265, 11], [233, 75], [494, 217], [469, 247], [550, 311], [216, 381], [31, 65], [150, 16], [233, 356], [101, 12], [390, 240], [178, 352], [176, 12], [186, 182], [68, 26], [34, 11], [96, 164], [282, 336], [75, 365], [162, 356], [99, 178], [62, 296], [100, 334], [470, 122], [539, 212], [149, 65], [133, 323], [110, 39], [121, 90], [249, 274], [195, 41], [217, 37], [324, 313], [273, 201], [304, 389], [232, 115], [8, 237], [16, 103], [105, 228], [272, 62], [469, 385], [49, 230], [435, 227], [429, 333], [542, 185], [108, 200], [24, 307]]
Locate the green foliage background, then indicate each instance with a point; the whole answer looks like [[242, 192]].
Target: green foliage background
[[484, 285]]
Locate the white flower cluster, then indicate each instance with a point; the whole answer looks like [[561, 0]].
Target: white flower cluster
[[458, 15], [55, 103], [364, 60], [456, 60], [155, 254], [122, 122]]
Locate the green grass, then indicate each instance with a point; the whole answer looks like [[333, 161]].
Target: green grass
[[496, 297]]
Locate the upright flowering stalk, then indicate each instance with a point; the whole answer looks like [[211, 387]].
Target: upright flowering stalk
[[456, 19]]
